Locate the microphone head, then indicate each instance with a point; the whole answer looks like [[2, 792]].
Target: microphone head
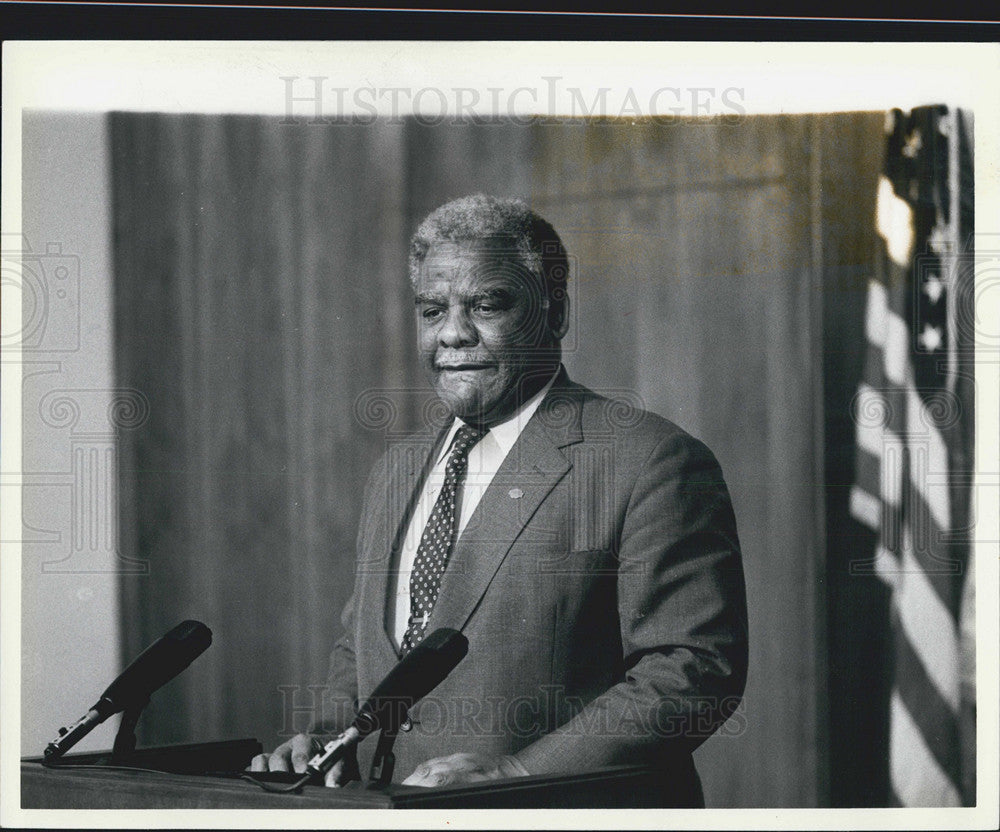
[[416, 675], [444, 649], [155, 666]]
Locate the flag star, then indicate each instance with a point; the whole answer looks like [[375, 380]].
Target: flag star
[[930, 338], [934, 288]]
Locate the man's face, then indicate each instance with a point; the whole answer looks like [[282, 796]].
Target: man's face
[[482, 329]]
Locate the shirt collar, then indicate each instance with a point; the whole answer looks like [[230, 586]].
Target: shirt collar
[[505, 433]]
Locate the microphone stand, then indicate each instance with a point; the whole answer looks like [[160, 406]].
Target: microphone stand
[[124, 746], [384, 761], [394, 713], [223, 757]]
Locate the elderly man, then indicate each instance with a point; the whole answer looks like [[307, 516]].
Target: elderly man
[[586, 548]]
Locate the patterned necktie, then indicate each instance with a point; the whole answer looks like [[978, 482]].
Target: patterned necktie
[[437, 540]]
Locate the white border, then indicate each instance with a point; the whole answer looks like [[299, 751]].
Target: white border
[[220, 77]]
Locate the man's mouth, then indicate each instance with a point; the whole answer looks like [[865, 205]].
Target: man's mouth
[[463, 366]]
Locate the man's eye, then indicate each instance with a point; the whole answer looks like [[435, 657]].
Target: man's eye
[[431, 313], [487, 308]]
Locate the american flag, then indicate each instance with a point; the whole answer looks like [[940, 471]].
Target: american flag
[[913, 413]]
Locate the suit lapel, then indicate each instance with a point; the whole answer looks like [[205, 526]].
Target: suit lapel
[[530, 471], [406, 462]]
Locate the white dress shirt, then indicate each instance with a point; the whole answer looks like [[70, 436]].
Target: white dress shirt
[[485, 459]]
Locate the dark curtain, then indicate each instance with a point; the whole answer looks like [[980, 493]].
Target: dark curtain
[[719, 272], [258, 296]]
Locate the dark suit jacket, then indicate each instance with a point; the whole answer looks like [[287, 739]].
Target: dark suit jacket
[[599, 584]]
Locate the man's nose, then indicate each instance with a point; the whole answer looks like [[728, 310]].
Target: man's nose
[[457, 330]]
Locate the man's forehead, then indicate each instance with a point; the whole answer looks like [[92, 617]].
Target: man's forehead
[[479, 259], [493, 248]]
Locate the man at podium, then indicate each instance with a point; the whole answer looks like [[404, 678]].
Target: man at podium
[[585, 547]]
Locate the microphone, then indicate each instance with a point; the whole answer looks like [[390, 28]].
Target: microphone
[[416, 675], [153, 668]]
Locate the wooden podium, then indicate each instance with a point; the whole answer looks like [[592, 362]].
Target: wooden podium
[[97, 787]]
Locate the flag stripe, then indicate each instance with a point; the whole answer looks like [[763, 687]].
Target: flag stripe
[[917, 779], [886, 329], [887, 567], [895, 222], [935, 719], [929, 627], [914, 530], [873, 409], [915, 498], [876, 312], [928, 459], [864, 506], [895, 353]]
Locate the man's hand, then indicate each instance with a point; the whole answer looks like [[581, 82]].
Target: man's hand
[[464, 768], [295, 754]]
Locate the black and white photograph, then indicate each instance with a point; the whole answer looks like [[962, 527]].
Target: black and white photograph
[[500, 426]]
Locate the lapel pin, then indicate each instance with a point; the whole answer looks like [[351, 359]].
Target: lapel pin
[[516, 493]]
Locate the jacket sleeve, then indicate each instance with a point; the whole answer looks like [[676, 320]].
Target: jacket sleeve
[[339, 701], [682, 611]]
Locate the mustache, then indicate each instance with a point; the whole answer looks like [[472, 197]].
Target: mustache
[[461, 365], [458, 359], [454, 359]]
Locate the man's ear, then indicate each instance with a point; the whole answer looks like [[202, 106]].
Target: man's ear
[[559, 318]]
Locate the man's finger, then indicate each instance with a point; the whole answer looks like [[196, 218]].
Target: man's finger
[[429, 773], [455, 768], [302, 751], [344, 771], [420, 780], [278, 761], [259, 763], [334, 777], [417, 778], [419, 775]]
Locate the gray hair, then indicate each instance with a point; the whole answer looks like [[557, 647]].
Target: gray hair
[[482, 217]]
